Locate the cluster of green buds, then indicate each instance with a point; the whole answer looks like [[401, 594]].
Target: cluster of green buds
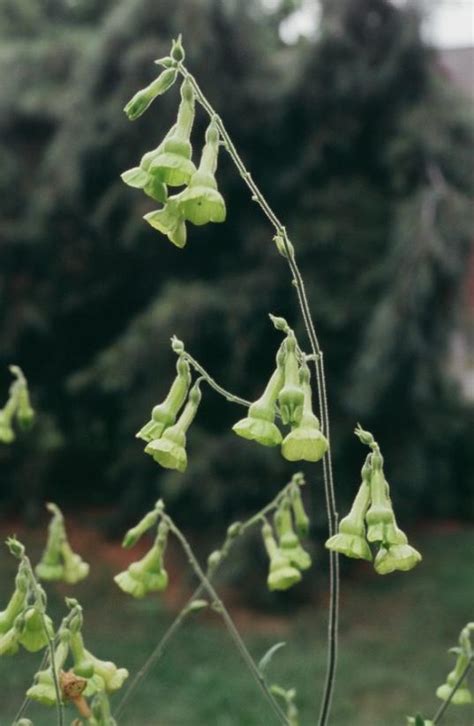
[[58, 561], [24, 621], [287, 557], [287, 394], [371, 520], [147, 574], [88, 676], [18, 407], [170, 164], [455, 681], [165, 433]]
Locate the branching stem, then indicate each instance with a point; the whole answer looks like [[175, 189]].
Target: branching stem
[[159, 649], [220, 608]]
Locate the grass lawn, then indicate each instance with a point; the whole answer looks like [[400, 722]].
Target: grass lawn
[[395, 632]]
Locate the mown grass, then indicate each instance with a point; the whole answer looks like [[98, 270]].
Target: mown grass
[[395, 632]]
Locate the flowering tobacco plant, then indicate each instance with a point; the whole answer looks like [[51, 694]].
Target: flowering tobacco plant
[[283, 417]]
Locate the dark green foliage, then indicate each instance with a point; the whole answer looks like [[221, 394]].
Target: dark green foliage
[[360, 145]]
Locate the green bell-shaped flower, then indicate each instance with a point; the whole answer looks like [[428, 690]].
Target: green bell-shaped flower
[[112, 677], [75, 569], [148, 574], [43, 689], [288, 541], [36, 630], [164, 415], [58, 561], [291, 396], [173, 165], [282, 574], [17, 601], [201, 203], [259, 424], [380, 518], [169, 451], [393, 557], [305, 442], [462, 695], [145, 97], [351, 537], [170, 222]]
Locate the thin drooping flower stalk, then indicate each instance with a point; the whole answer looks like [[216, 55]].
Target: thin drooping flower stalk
[[282, 238], [210, 574]]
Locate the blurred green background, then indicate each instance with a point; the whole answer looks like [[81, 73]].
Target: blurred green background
[[363, 144]]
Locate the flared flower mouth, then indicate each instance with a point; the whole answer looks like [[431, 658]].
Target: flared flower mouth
[[350, 545], [256, 429], [396, 557], [172, 168], [304, 444], [167, 453], [202, 204], [283, 578]]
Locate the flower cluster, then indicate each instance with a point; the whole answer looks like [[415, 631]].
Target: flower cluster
[[23, 622], [288, 392], [170, 164], [464, 652], [88, 676], [18, 407], [165, 433], [371, 520], [282, 543], [148, 574], [58, 561]]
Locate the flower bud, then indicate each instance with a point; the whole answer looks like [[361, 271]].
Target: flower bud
[[177, 51], [145, 97], [135, 533], [302, 522]]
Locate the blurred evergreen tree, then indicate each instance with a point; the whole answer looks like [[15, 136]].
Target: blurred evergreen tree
[[361, 145]]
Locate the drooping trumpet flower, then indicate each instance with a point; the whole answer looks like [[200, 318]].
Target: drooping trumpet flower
[[282, 574], [148, 574], [169, 450], [259, 424], [200, 202], [164, 414], [305, 442]]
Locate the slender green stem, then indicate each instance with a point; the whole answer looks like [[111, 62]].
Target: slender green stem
[[442, 709], [220, 608], [41, 607], [22, 710], [159, 649], [211, 382], [317, 355]]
